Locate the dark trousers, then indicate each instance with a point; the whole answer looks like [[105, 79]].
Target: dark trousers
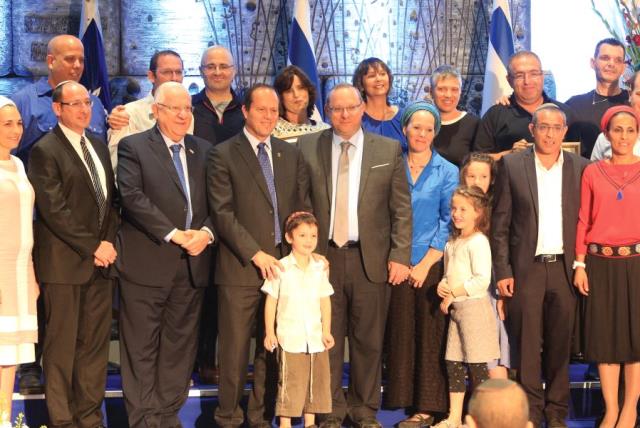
[[540, 317], [359, 311], [158, 343], [208, 330], [240, 310], [76, 351]]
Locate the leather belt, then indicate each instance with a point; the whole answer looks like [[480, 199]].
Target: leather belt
[[548, 258]]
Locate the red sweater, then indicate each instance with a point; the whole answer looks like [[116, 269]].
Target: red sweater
[[603, 218]]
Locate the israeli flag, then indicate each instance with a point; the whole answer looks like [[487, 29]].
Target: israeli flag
[[301, 48], [95, 77], [498, 54]]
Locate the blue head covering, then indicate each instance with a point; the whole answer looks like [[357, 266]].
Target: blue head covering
[[415, 106]]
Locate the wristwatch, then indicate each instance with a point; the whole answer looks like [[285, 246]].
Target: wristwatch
[[577, 264]]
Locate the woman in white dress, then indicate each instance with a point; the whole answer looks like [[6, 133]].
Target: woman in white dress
[[18, 288]]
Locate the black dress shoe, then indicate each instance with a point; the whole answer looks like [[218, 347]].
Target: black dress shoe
[[331, 422], [556, 423], [29, 384], [592, 372], [368, 423]]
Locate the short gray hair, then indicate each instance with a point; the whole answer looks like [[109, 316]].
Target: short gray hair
[[343, 85], [159, 96], [548, 107], [442, 72]]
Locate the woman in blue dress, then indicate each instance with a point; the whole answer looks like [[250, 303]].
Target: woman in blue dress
[[374, 80]]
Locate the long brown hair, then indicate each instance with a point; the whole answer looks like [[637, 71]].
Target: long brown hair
[[480, 158], [480, 202]]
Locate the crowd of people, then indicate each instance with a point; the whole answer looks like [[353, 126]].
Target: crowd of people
[[429, 241]]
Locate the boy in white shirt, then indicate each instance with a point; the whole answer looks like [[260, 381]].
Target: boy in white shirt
[[298, 321]]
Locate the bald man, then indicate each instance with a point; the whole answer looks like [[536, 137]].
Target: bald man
[[74, 231], [164, 242], [498, 403]]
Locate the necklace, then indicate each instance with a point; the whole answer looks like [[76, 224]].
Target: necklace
[[593, 99], [619, 187]]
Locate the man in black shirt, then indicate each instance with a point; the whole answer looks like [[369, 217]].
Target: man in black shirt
[[608, 63], [505, 128]]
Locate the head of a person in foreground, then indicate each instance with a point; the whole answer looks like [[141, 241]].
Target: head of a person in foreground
[[498, 403]]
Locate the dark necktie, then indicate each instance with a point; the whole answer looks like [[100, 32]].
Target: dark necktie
[[95, 179], [175, 148], [263, 158], [341, 212]]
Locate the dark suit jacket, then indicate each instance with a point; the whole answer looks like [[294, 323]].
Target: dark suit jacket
[[241, 206], [514, 223], [66, 227], [153, 204], [384, 204]]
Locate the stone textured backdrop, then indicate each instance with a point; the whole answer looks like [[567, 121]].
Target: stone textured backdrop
[[412, 36]]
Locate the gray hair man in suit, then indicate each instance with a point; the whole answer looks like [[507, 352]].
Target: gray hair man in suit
[[536, 202], [360, 196]]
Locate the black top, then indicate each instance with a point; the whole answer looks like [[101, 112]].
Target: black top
[[501, 126], [456, 137], [588, 109], [205, 119]]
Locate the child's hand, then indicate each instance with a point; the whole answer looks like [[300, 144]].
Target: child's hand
[[270, 342], [443, 289], [327, 340], [446, 302]]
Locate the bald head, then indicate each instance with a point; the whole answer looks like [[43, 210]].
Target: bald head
[[498, 403], [65, 59], [217, 70]]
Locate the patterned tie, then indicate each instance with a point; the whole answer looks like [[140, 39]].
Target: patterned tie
[[341, 215], [95, 179], [263, 158], [175, 148]]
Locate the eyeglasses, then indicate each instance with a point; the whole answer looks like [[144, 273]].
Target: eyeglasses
[[177, 109], [536, 74], [78, 104], [348, 109], [168, 72], [216, 67], [545, 128]]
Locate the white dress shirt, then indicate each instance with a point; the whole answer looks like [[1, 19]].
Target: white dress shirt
[[254, 141], [355, 168], [74, 139], [549, 207], [298, 315]]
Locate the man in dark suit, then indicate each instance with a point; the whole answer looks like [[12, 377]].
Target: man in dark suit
[[536, 204], [360, 195], [75, 227], [254, 182], [164, 247]]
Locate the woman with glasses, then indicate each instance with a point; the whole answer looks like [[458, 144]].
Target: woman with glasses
[[297, 101], [416, 328], [374, 80], [18, 288], [459, 128]]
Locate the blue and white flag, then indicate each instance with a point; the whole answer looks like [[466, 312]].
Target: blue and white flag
[[498, 54], [95, 77], [301, 48]]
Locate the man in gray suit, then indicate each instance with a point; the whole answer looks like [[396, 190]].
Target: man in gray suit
[[360, 195], [254, 183], [536, 202]]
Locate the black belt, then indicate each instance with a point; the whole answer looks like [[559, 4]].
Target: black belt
[[347, 245], [548, 258]]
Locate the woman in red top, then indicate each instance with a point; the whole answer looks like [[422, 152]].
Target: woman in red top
[[608, 242]]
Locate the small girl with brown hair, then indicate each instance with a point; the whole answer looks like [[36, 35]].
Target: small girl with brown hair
[[297, 317], [472, 338]]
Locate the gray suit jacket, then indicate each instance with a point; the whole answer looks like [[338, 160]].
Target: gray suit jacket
[[514, 222], [384, 202], [241, 208]]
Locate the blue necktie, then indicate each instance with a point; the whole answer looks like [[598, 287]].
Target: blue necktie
[[175, 148], [263, 158]]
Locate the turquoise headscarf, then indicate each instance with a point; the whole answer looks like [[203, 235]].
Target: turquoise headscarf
[[415, 106]]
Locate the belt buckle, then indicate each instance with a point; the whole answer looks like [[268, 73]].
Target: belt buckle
[[549, 258]]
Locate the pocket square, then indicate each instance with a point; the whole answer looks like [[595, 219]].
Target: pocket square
[[380, 166]]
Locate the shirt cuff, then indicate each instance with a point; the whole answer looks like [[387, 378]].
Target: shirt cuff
[[170, 235], [211, 238]]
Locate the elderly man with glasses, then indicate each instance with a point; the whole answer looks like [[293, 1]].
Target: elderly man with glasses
[[504, 128], [164, 244]]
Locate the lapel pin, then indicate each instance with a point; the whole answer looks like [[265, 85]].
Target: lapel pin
[[191, 151], [278, 154]]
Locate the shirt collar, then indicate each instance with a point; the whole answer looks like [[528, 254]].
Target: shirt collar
[[557, 163], [43, 87], [71, 135], [290, 260], [356, 139], [169, 142], [254, 141]]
